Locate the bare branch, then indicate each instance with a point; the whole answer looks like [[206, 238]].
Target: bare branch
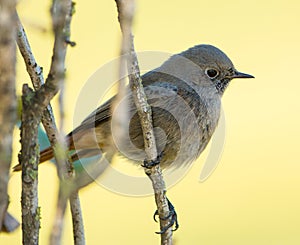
[[78, 229], [56, 233], [7, 106], [36, 75], [126, 13], [61, 12], [62, 15], [29, 159]]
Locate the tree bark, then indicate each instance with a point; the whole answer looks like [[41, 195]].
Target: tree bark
[[29, 159], [78, 229], [8, 111], [37, 78]]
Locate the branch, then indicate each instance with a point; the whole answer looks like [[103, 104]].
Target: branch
[[61, 12], [29, 159], [36, 74], [78, 229], [126, 13], [61, 15], [7, 106]]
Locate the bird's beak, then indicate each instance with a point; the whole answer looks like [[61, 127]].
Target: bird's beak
[[238, 74]]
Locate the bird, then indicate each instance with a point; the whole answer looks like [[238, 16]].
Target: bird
[[185, 95]]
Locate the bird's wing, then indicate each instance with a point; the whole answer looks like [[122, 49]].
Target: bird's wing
[[101, 114], [158, 93]]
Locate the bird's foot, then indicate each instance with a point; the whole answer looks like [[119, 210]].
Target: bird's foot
[[172, 217], [149, 164]]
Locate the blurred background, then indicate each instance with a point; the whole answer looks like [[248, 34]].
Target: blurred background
[[252, 196]]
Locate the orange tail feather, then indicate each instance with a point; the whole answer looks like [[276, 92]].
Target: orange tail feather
[[47, 153]]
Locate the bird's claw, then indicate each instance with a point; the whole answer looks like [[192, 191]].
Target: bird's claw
[[172, 216], [69, 42], [154, 216], [149, 164]]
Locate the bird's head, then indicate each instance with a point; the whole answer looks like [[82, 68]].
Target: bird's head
[[214, 64]]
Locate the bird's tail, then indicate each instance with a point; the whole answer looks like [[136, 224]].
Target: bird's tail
[[46, 154]]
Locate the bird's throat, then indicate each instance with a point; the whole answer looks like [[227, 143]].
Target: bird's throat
[[222, 85]]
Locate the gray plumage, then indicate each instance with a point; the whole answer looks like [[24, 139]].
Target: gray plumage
[[185, 95]]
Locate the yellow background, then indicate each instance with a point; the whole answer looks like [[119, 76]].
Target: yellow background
[[253, 195]]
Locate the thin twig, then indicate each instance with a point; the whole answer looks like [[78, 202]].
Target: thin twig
[[63, 194], [61, 12], [126, 13], [36, 75], [7, 105], [78, 229]]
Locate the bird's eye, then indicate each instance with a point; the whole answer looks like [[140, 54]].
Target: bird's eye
[[211, 73]]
